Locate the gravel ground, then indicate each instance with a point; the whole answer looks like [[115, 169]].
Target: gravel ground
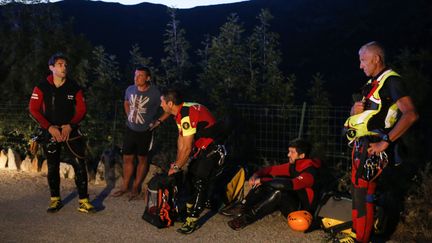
[[23, 218]]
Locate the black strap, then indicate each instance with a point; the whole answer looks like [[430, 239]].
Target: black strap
[[360, 153], [339, 227]]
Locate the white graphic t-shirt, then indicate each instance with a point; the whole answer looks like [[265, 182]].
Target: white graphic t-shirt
[[143, 107]]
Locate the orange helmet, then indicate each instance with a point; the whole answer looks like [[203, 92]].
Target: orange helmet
[[299, 220]]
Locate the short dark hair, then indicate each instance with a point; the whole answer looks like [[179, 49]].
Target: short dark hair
[[302, 146], [172, 95], [53, 59], [145, 69]]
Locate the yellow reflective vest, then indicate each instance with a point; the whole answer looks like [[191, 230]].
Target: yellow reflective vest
[[356, 126]]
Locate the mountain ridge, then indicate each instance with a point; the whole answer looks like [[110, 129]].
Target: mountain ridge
[[315, 36]]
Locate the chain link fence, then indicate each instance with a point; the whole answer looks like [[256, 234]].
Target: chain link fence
[[270, 128], [261, 132]]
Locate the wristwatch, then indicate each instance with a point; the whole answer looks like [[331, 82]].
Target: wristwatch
[[175, 168], [386, 138]]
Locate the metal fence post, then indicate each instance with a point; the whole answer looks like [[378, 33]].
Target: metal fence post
[[302, 120]]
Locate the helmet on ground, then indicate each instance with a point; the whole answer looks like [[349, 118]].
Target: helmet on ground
[[299, 220]]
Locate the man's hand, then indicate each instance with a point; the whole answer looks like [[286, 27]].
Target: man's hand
[[55, 133], [376, 148], [155, 124], [254, 181], [173, 169], [357, 108], [65, 132]]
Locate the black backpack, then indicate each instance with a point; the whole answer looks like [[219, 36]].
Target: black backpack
[[161, 206]]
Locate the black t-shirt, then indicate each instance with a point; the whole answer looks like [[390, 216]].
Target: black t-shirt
[[392, 90]]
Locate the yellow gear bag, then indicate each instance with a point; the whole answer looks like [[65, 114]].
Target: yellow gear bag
[[235, 187]]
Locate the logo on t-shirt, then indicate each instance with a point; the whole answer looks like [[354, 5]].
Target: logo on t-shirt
[[185, 125], [138, 108]]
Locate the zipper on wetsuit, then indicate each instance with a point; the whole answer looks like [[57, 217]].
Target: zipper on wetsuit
[[53, 103]]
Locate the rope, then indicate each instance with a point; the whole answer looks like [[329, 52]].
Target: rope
[[70, 148]]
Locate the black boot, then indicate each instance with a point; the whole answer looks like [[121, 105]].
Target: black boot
[[234, 210], [240, 222]]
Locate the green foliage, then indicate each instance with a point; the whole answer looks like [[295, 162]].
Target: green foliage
[[137, 59], [317, 93], [176, 62], [102, 94], [318, 127], [415, 66], [238, 69], [225, 71], [267, 82], [15, 128], [235, 68], [417, 223], [29, 34]]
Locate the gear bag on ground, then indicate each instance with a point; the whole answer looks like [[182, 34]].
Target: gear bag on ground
[[161, 207]]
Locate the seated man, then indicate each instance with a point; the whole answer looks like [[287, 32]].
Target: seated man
[[282, 187], [198, 132]]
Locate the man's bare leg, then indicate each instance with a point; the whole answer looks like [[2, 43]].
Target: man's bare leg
[[128, 167], [141, 173]]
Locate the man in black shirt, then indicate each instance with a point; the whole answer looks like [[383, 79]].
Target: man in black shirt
[[58, 105], [383, 115]]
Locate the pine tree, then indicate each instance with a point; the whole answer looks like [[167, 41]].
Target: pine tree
[[30, 32], [102, 96], [176, 62], [318, 126], [264, 60], [137, 58], [225, 71], [414, 67]]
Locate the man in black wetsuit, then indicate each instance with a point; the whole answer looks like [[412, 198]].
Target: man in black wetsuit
[[58, 105]]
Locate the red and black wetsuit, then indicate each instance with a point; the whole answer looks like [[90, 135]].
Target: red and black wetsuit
[[195, 119], [57, 106], [298, 177], [51, 105], [286, 187], [363, 191]]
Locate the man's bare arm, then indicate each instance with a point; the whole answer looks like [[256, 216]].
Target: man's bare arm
[[409, 116]]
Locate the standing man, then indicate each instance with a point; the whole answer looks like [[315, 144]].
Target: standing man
[[280, 187], [142, 101], [58, 105], [198, 132], [376, 123]]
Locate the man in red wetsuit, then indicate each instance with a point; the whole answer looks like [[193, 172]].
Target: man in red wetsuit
[[58, 105], [282, 187], [387, 110], [198, 132]]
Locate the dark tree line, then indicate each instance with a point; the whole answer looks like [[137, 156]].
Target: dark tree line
[[234, 65]]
